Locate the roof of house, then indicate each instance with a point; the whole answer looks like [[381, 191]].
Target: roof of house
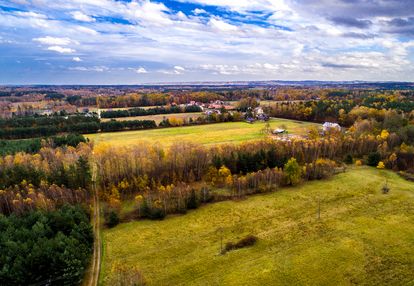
[[331, 124], [279, 130]]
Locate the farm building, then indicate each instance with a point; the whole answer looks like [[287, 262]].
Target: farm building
[[279, 131], [331, 126]]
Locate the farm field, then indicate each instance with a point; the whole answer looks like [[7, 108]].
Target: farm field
[[363, 237], [229, 132], [159, 117], [95, 109]]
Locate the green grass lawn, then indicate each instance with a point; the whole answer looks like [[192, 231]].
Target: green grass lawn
[[363, 237], [229, 132]]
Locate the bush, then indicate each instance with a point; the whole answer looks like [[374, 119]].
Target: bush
[[112, 219], [244, 242], [385, 189], [348, 159], [152, 212], [157, 213], [373, 159], [192, 202]]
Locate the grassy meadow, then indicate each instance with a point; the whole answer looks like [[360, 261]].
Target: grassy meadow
[[159, 117], [363, 237], [229, 132]]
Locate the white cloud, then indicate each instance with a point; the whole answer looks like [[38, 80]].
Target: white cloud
[[198, 11], [140, 70], [90, 69], [76, 59], [86, 30], [177, 70], [212, 47], [79, 16], [31, 15], [249, 69], [61, 50], [148, 13], [222, 26], [53, 41]]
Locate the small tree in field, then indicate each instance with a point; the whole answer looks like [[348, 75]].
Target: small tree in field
[[267, 129], [292, 172], [385, 188], [112, 219]]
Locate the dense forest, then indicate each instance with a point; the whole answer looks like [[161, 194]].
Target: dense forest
[[45, 248], [45, 235]]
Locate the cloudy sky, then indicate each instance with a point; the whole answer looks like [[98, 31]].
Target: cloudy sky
[[147, 41]]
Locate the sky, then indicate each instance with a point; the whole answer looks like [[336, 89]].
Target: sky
[[151, 41]]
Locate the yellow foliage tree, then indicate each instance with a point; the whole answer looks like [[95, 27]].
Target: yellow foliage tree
[[114, 198], [384, 134], [381, 165]]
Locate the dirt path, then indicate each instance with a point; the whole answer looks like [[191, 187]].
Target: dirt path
[[92, 279]]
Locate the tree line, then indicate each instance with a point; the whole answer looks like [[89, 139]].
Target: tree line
[[40, 127], [150, 111], [9, 147]]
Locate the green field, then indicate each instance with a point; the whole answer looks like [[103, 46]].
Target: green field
[[363, 237], [229, 132], [159, 117]]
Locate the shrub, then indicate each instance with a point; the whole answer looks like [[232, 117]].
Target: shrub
[[348, 159], [244, 242], [112, 219], [373, 159], [157, 214], [385, 189], [192, 202], [292, 172], [358, 163]]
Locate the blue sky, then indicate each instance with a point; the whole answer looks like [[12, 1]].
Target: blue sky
[[143, 41]]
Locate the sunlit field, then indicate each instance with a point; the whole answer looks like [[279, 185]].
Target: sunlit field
[[362, 237], [159, 117], [229, 132]]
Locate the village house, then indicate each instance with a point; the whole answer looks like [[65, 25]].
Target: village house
[[279, 131], [218, 104], [195, 103], [331, 126]]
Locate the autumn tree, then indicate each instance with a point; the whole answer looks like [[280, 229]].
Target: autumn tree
[[292, 172]]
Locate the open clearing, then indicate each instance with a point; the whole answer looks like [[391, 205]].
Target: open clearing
[[363, 237], [229, 132], [159, 117]]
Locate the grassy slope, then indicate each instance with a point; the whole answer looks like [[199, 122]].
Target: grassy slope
[[231, 132], [364, 237]]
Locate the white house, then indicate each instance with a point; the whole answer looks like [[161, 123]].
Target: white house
[[279, 131], [330, 125]]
